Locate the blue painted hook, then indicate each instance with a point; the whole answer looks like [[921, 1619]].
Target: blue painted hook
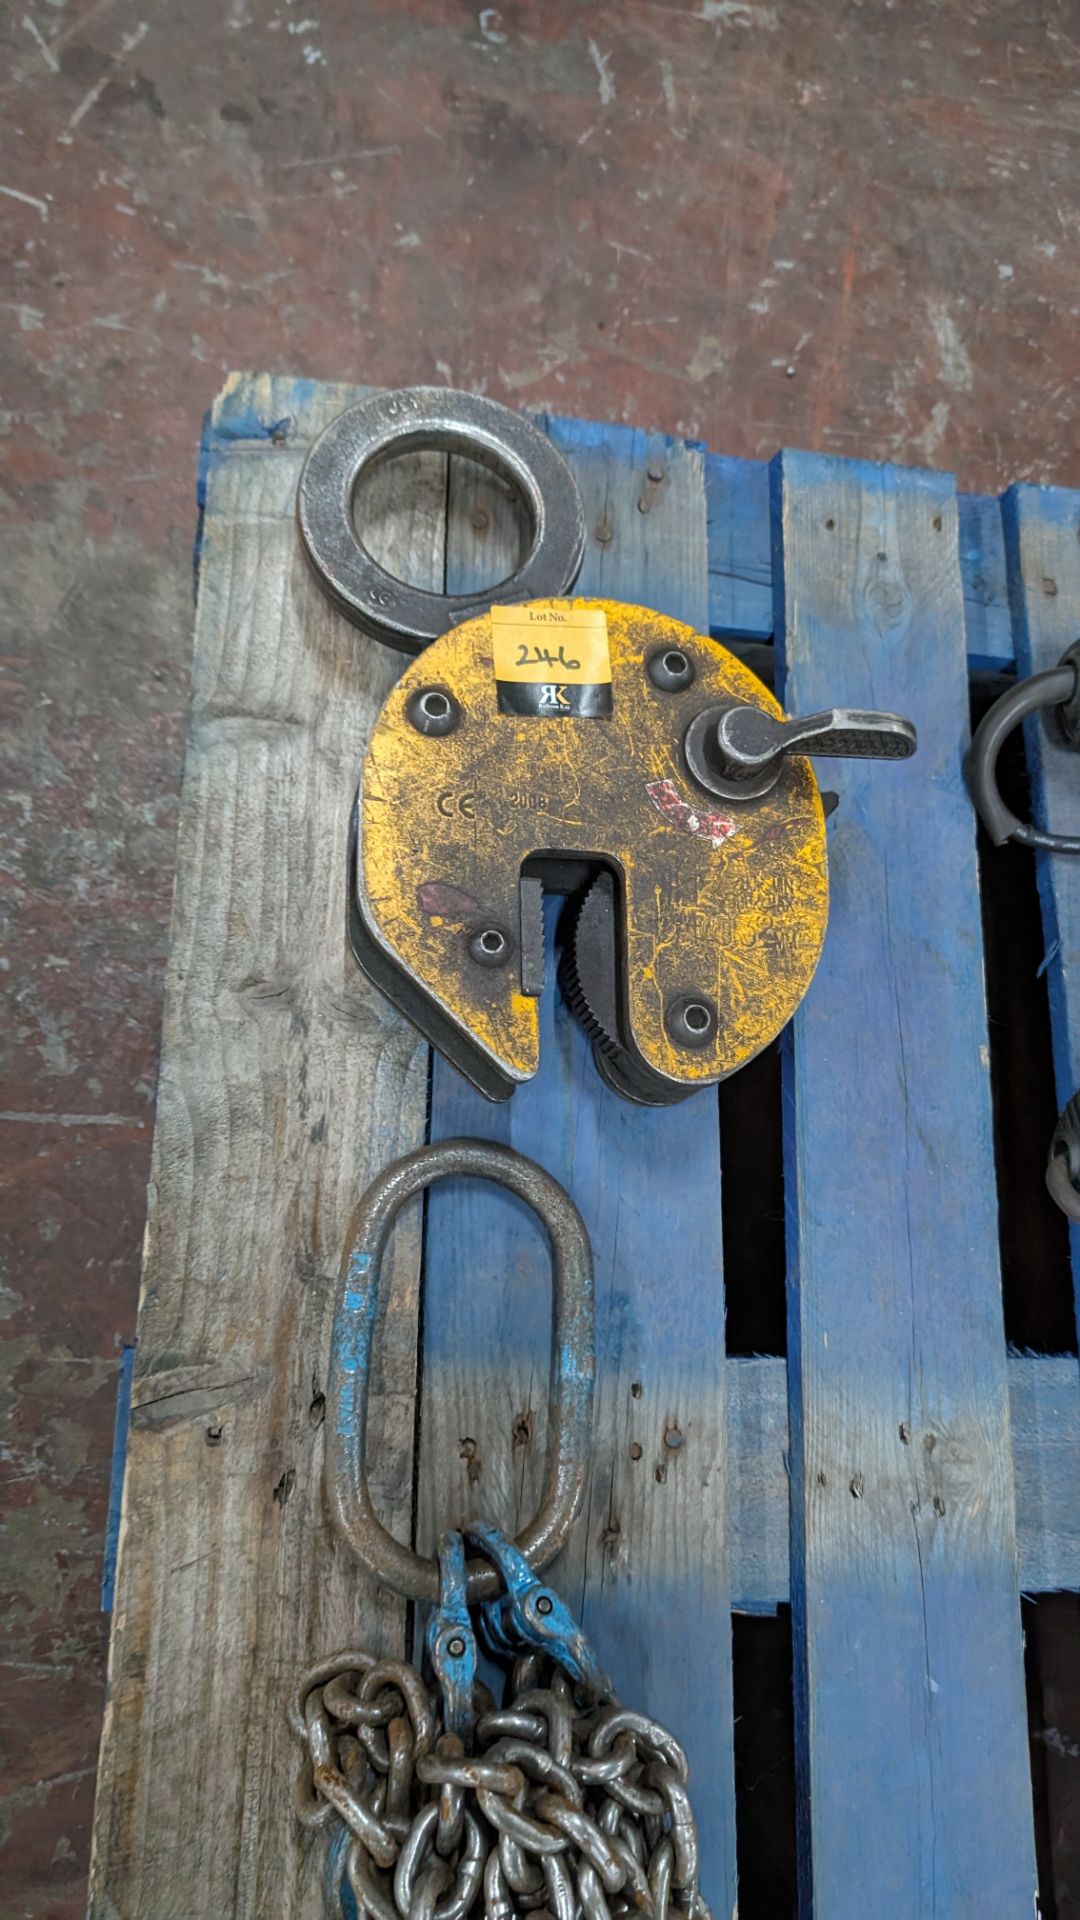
[[532, 1615], [451, 1642]]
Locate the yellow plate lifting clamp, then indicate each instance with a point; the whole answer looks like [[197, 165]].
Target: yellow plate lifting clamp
[[608, 753]]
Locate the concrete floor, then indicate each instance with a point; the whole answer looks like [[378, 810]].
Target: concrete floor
[[849, 226]]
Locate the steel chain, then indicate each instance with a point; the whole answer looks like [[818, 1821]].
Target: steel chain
[[580, 1811], [438, 1803]]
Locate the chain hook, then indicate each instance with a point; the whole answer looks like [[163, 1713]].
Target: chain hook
[[451, 1642], [531, 1614]]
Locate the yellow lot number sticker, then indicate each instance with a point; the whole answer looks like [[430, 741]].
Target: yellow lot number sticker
[[552, 659]]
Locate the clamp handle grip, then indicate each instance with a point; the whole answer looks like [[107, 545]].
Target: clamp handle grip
[[748, 741], [738, 752]]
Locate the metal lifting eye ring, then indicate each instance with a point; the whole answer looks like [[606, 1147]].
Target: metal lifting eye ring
[[433, 418], [573, 1364], [1058, 687]]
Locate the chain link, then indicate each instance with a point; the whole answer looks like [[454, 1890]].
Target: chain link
[[581, 1812], [559, 1801]]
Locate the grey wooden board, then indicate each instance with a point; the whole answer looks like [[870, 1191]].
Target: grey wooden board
[[1044, 1402], [285, 1083]]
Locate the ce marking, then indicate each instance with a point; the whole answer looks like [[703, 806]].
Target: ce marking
[[463, 805]]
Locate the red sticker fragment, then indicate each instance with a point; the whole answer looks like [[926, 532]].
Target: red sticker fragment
[[679, 813], [439, 899]]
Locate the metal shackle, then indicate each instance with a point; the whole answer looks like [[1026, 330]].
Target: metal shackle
[[573, 1364], [418, 419], [1058, 687]]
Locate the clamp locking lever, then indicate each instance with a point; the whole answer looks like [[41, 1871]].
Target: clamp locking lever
[[738, 752]]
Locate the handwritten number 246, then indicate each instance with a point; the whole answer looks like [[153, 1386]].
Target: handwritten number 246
[[543, 657]]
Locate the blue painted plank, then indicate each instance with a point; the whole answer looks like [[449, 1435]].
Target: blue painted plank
[[1042, 537], [1044, 1399], [647, 536], [740, 562], [121, 1429], [740, 551], [910, 1717], [1044, 1402], [757, 1448], [1044, 1396], [987, 620], [648, 1565]]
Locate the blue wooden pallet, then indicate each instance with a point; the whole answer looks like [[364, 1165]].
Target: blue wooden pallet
[[878, 586], [903, 1477]]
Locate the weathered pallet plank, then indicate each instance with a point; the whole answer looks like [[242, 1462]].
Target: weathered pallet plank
[[285, 1083], [759, 1526], [740, 548], [1042, 538], [1044, 1404], [648, 1564], [987, 619], [740, 563], [121, 1430], [910, 1717]]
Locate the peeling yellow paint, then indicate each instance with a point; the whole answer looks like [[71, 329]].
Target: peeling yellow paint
[[742, 921]]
